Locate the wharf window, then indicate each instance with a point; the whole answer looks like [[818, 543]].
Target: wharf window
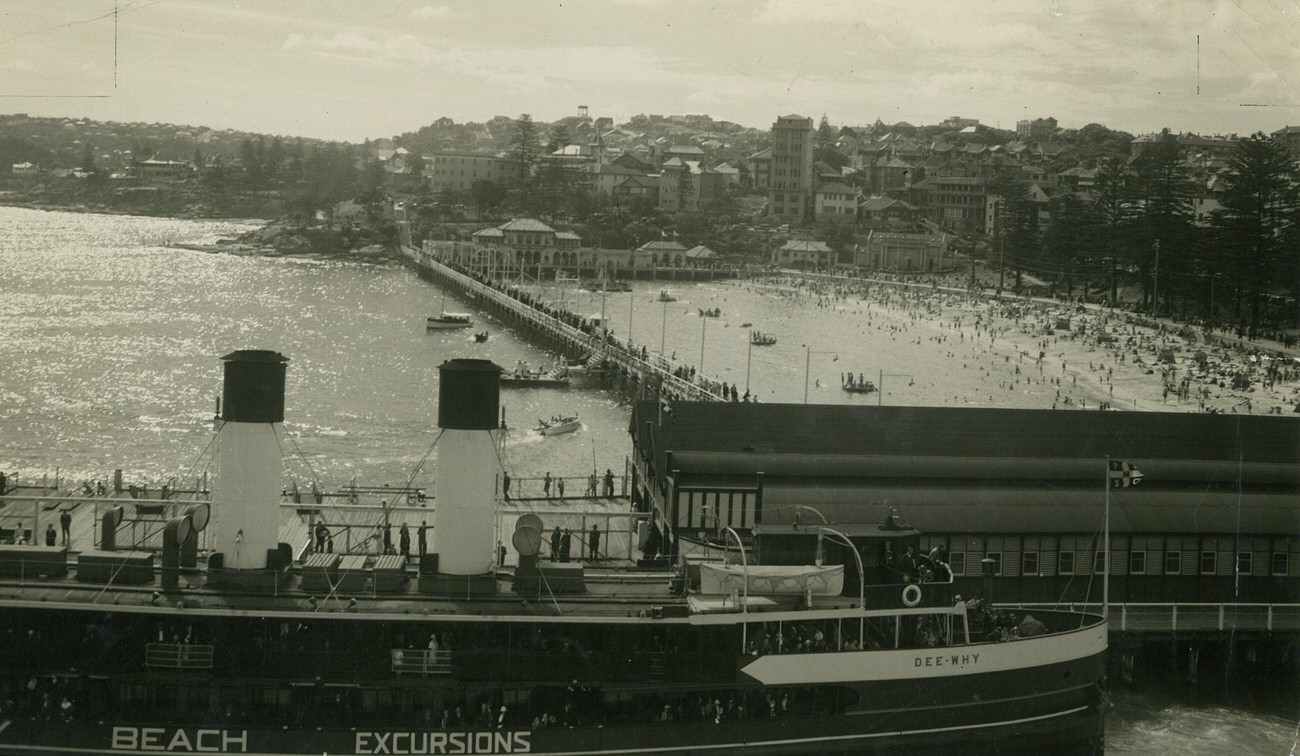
[[1065, 563], [1280, 562], [1173, 562], [1208, 562], [1099, 565], [957, 562], [1245, 562], [996, 556], [1029, 563], [1137, 563]]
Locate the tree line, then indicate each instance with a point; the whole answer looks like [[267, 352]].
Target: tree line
[[1237, 265]]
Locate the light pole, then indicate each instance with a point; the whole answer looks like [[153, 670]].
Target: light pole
[[1155, 284], [862, 574], [749, 353], [807, 363], [744, 573], [663, 329], [704, 323], [880, 384]]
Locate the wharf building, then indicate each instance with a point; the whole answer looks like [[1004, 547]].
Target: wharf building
[[528, 247], [1203, 552]]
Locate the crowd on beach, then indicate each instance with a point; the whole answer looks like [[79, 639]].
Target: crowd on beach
[[991, 349], [1017, 351]]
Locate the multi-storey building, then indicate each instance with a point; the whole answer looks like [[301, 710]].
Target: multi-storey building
[[836, 203], [1289, 137], [457, 171], [790, 188], [954, 202]]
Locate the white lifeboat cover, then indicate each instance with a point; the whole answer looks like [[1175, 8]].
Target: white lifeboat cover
[[772, 579]]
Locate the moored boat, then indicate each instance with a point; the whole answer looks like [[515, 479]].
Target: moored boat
[[758, 338], [523, 376], [448, 320]]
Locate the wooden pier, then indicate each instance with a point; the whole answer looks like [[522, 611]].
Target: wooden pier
[[637, 372]]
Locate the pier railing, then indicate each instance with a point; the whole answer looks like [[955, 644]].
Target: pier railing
[[1191, 618], [646, 367]]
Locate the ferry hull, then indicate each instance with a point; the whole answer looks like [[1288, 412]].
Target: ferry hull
[[1072, 731]]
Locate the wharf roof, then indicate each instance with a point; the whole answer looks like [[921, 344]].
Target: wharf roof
[[959, 431], [985, 470]]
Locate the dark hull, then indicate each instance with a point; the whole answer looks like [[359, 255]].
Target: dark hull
[[1056, 708], [1070, 732]]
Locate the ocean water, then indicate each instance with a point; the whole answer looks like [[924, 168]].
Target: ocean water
[[110, 342]]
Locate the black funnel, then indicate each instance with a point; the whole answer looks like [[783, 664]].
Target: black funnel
[[253, 389]]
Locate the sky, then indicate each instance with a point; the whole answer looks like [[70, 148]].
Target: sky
[[377, 68]]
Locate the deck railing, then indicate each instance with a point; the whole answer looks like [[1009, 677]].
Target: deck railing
[[178, 655]]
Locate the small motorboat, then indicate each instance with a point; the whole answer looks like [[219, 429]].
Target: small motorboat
[[558, 424], [664, 296], [480, 337], [711, 313], [758, 338]]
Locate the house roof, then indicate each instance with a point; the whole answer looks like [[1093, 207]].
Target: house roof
[[836, 187], [638, 180], [567, 235], [801, 245], [489, 232], [525, 224], [665, 245], [700, 252]]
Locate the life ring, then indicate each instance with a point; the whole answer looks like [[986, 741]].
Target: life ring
[[912, 595]]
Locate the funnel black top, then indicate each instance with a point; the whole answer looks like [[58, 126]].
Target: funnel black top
[[253, 390], [469, 394]]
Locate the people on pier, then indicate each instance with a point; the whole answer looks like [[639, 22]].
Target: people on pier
[[404, 541], [593, 543], [65, 524], [609, 483], [51, 537], [566, 542], [422, 538], [546, 485], [505, 486], [555, 544]]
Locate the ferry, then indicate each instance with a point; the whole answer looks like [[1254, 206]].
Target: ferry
[[804, 639]]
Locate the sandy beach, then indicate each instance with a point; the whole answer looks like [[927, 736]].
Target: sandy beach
[[979, 350]]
